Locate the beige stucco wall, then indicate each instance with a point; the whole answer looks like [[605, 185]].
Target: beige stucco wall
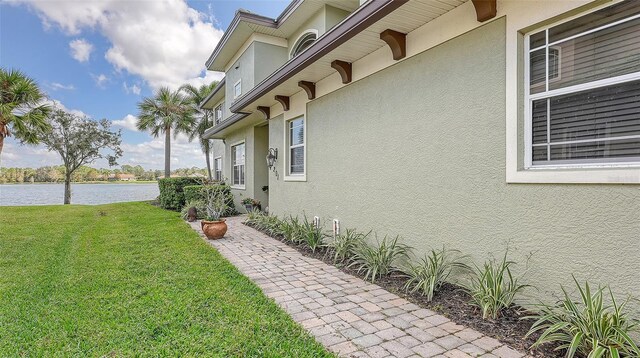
[[322, 21], [245, 135], [256, 173], [418, 149]]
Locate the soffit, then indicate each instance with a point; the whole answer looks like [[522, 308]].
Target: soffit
[[407, 18]]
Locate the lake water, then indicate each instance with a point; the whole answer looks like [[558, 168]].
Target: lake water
[[91, 194]]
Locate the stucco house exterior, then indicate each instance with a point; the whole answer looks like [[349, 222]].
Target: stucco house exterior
[[478, 125]]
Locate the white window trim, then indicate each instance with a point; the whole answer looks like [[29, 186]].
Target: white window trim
[[215, 113], [239, 82], [288, 176], [302, 34], [243, 186], [562, 174], [222, 167]]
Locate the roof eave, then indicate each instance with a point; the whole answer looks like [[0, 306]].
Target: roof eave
[[218, 87], [359, 20], [241, 16], [235, 118]]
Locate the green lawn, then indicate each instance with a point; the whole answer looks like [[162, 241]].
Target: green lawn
[[129, 280]]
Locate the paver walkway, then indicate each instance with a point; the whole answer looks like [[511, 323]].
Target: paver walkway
[[349, 316]]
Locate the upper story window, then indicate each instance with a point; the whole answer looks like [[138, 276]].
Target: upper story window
[[219, 113], [304, 41], [237, 89], [583, 95]]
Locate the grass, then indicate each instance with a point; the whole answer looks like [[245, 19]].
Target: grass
[[129, 280]]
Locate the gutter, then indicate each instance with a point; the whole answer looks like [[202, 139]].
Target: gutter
[[243, 15], [237, 117], [219, 86], [355, 23]]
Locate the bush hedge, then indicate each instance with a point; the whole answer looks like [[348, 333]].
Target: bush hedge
[[192, 193], [172, 191]]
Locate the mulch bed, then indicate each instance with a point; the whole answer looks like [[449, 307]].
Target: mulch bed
[[452, 302]]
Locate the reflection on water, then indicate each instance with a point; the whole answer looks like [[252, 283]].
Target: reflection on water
[[92, 194]]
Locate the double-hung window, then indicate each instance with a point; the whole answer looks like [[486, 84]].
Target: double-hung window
[[295, 139], [237, 160], [218, 113], [582, 98], [217, 167]]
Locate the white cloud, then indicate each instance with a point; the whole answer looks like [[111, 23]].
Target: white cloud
[[59, 105], [81, 50], [16, 155], [128, 122], [100, 80], [150, 154], [135, 89], [164, 42], [59, 86]]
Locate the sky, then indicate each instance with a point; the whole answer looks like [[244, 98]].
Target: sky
[[99, 58]]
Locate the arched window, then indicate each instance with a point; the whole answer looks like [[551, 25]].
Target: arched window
[[304, 41]]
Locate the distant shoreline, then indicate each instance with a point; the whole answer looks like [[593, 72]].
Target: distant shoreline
[[89, 182]]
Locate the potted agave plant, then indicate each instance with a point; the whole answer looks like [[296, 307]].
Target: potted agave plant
[[214, 227]]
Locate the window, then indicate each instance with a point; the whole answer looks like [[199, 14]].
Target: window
[[303, 42], [217, 168], [237, 158], [237, 89], [218, 113], [583, 94], [296, 147]]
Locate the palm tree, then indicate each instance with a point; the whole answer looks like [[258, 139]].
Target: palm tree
[[196, 95], [23, 112], [166, 111]]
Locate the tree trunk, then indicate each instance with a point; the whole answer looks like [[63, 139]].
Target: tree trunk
[[1, 145], [3, 133], [67, 189], [167, 152], [207, 155]]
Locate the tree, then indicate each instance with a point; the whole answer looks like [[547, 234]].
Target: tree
[[79, 141], [197, 95], [22, 111], [166, 111]]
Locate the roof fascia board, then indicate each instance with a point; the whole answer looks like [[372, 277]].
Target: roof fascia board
[[240, 16], [359, 20], [227, 123], [255, 19], [218, 87]]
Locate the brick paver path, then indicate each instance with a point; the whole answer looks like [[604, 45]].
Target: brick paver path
[[349, 316]]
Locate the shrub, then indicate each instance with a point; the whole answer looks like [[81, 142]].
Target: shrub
[[270, 224], [428, 275], [493, 287], [194, 193], [344, 245], [172, 191], [590, 327], [254, 217], [291, 229], [312, 236], [380, 259], [200, 206]]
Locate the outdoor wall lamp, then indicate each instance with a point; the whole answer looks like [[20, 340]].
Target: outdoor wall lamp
[[272, 156]]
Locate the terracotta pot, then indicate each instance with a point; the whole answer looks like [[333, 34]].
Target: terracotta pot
[[214, 230]]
